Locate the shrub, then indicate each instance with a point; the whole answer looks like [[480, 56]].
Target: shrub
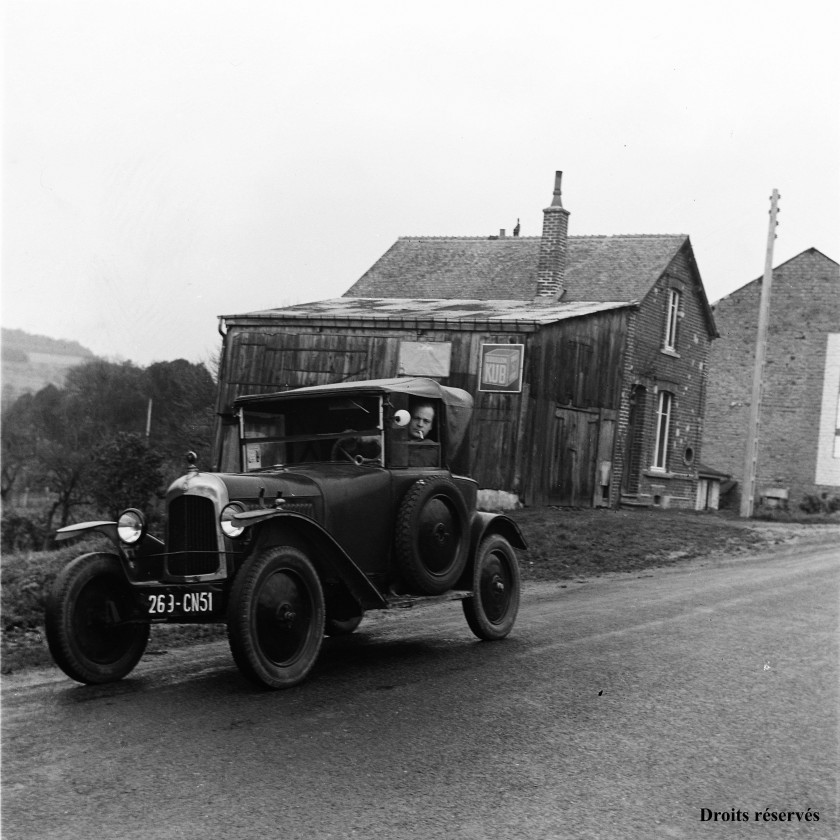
[[26, 577], [125, 473], [822, 503], [19, 532]]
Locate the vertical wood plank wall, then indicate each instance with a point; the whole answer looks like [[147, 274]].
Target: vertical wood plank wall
[[517, 442]]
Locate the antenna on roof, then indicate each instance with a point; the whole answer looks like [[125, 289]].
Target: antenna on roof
[[516, 229]]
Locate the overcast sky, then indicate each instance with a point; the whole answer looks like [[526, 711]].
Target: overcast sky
[[168, 162]]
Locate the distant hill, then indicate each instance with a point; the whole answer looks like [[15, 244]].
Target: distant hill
[[31, 362]]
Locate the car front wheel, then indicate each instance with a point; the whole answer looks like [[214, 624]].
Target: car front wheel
[[491, 611], [276, 617], [94, 629]]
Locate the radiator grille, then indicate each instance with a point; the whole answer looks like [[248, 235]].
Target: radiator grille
[[192, 541]]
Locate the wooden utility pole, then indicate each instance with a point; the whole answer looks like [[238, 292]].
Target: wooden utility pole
[[751, 459]]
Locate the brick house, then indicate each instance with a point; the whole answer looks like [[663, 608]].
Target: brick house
[[799, 423], [612, 334]]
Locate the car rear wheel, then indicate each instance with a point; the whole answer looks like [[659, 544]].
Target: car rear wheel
[[432, 536], [491, 611], [94, 628], [276, 617]]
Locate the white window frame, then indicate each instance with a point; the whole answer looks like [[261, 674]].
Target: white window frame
[[828, 446], [837, 428], [664, 408], [672, 320]]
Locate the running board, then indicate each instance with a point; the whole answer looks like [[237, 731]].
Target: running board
[[406, 602]]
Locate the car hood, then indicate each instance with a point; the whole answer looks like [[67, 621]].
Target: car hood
[[303, 482]]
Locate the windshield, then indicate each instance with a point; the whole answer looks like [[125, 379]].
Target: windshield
[[302, 431]]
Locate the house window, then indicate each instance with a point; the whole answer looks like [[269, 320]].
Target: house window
[[672, 319], [663, 430]]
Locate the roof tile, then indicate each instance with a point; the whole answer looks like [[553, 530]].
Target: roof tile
[[599, 268]]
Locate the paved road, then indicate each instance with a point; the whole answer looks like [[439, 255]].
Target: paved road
[[619, 708]]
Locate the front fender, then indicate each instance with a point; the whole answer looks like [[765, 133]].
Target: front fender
[[69, 532], [147, 544], [249, 518], [330, 557]]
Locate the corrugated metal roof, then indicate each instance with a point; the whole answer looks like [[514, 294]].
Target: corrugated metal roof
[[440, 311]]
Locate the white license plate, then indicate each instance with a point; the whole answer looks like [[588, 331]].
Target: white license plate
[[181, 603]]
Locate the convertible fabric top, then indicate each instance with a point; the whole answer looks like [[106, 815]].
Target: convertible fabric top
[[458, 403]]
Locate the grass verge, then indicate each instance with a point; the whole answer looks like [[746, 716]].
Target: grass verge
[[566, 543]]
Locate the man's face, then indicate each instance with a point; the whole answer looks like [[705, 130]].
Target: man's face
[[421, 422]]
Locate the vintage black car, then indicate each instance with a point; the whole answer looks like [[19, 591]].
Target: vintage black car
[[330, 508]]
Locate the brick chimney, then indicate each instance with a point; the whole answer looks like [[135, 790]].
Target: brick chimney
[[551, 268]]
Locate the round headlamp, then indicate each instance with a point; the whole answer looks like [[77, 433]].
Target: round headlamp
[[229, 527], [130, 526]]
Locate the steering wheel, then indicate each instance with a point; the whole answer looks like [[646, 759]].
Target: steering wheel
[[338, 451]]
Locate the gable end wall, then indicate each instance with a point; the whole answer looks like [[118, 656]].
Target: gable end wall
[[804, 310], [683, 374]]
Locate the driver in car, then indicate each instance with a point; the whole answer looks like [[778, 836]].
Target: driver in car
[[422, 419]]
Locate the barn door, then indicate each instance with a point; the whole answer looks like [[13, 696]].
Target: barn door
[[573, 462]]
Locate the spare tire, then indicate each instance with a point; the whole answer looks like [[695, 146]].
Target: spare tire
[[432, 536]]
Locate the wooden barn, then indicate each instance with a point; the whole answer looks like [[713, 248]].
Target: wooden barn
[[543, 421], [585, 355]]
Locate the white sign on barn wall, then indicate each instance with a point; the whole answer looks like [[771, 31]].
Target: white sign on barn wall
[[424, 358]]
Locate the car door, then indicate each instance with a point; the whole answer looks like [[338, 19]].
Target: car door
[[359, 514]]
